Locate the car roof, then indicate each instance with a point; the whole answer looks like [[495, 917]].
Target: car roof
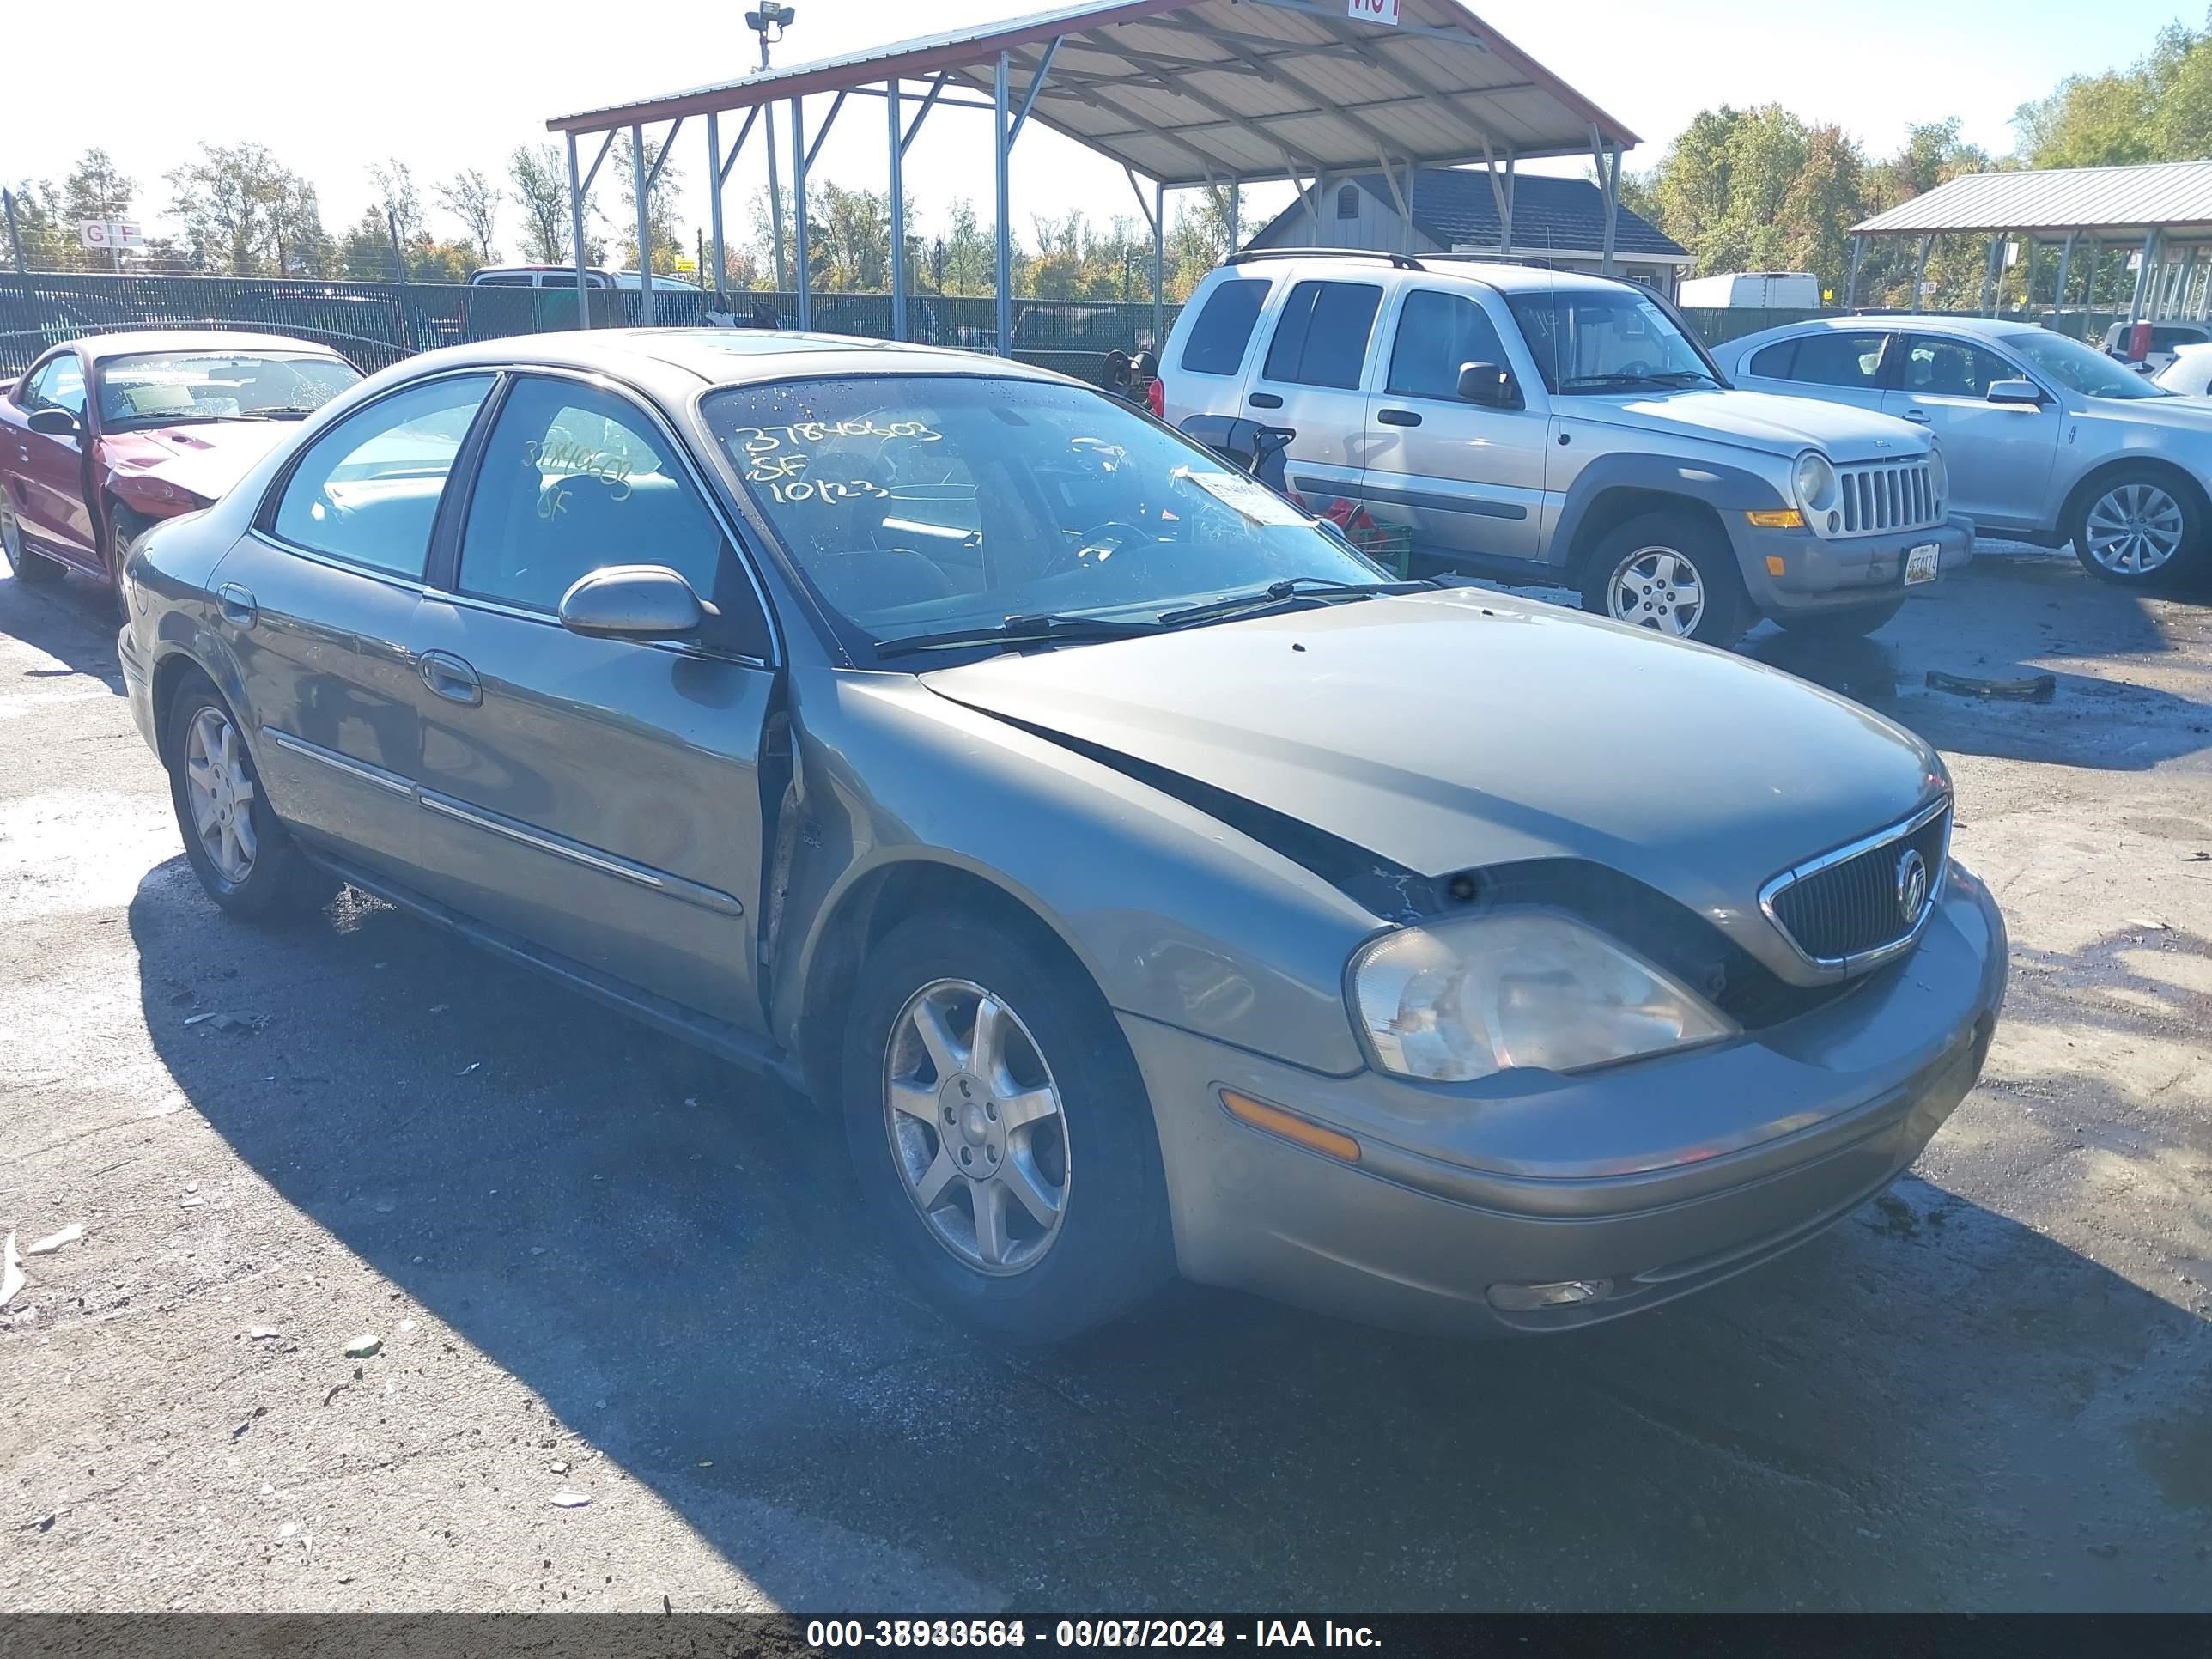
[[1991, 328], [136, 343], [680, 359], [1508, 278]]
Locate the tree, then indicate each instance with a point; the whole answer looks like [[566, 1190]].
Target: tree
[[95, 189], [541, 190], [470, 198], [365, 253], [661, 230], [397, 194], [39, 225], [298, 244], [224, 202]]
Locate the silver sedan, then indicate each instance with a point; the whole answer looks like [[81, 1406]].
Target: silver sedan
[[1148, 881], [2047, 440]]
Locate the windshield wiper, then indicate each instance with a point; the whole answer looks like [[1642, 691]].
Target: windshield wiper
[[1673, 380], [1047, 629], [1283, 592]]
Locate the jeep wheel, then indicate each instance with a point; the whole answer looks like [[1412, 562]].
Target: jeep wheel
[[2138, 528], [1672, 573]]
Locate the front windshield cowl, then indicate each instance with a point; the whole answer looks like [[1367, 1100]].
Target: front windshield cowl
[[946, 508]]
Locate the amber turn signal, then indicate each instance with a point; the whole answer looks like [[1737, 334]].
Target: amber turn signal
[[1277, 1122], [1776, 517]]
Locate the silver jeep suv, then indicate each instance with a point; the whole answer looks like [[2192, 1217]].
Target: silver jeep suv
[[1539, 426]]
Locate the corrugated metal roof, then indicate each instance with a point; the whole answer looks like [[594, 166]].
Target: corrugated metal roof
[[1182, 90], [2139, 198]]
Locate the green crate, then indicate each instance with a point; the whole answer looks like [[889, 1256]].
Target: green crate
[[1390, 545]]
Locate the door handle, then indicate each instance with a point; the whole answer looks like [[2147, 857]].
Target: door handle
[[239, 609], [1264, 400], [1399, 417], [1917, 416], [450, 677]]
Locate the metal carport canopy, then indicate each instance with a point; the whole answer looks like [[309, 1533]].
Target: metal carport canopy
[[1191, 92]]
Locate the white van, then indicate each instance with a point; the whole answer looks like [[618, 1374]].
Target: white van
[[1763, 290], [565, 277]]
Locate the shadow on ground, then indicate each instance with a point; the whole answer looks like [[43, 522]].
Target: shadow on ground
[[669, 1254]]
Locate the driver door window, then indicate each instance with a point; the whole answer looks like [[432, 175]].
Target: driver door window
[[60, 385], [1952, 369], [575, 479]]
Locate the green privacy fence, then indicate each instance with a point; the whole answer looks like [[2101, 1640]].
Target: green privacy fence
[[377, 324]]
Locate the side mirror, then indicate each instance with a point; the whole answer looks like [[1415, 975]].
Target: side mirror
[[632, 602], [2016, 392], [1488, 385], [54, 422]]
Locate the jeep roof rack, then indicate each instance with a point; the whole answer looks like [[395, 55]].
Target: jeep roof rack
[[1402, 261]]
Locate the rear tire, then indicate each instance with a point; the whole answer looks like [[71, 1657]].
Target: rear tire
[[1848, 622], [1050, 1133], [244, 856], [2138, 527], [28, 567], [1672, 572]]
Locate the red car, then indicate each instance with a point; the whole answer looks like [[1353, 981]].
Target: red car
[[104, 437]]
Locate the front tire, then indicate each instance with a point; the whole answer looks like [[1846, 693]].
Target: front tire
[[245, 857], [125, 527], [27, 567], [1847, 622], [1002, 1133], [2139, 527], [1672, 572]]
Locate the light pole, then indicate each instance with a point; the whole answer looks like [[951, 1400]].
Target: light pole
[[769, 23]]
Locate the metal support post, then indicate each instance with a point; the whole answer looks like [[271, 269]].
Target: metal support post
[[1159, 263], [798, 213], [576, 234], [641, 192], [1002, 249], [2142, 278], [1852, 287], [715, 204], [898, 211], [1991, 263], [1612, 205], [1236, 206], [2065, 263], [1920, 270]]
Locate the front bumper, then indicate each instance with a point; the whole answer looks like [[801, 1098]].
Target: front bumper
[[1818, 576], [1661, 1177], [137, 683]]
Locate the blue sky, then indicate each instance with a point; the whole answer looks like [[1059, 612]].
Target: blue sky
[[450, 83]]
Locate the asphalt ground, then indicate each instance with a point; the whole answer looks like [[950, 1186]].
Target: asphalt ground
[[598, 1263]]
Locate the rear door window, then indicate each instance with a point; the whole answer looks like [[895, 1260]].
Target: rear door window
[[1224, 327], [1322, 339], [1773, 362], [1851, 360], [368, 491]]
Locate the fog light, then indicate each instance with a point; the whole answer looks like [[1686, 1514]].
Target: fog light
[[1567, 1294]]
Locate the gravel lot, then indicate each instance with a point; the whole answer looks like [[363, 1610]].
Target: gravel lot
[[600, 1263]]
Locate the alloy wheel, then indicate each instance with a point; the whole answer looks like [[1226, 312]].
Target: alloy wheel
[[221, 790], [11, 540], [977, 1131], [1657, 588], [2134, 529]]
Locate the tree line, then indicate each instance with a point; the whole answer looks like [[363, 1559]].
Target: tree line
[[240, 211], [1762, 189]]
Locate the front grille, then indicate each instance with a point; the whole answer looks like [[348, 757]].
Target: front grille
[[1888, 495], [1843, 909]]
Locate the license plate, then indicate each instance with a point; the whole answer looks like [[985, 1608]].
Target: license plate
[[1921, 563]]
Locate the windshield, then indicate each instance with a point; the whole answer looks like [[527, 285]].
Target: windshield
[[919, 505], [1599, 340], [173, 388], [2079, 368]]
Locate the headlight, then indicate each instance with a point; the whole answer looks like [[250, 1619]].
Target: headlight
[[1939, 477], [1520, 989], [1816, 481]]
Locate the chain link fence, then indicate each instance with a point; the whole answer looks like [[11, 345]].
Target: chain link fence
[[377, 324]]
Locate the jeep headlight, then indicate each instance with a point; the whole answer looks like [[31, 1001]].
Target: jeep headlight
[[1816, 482], [1939, 476], [1526, 988]]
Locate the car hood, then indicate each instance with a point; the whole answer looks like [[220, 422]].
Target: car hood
[[2178, 414], [204, 458], [1758, 420], [1448, 730]]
